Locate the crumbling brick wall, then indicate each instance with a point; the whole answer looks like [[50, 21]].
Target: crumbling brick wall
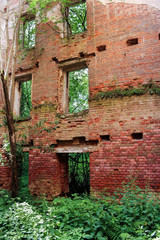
[[108, 125]]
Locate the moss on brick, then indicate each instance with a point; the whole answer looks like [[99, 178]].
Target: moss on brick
[[72, 115], [45, 106], [149, 88]]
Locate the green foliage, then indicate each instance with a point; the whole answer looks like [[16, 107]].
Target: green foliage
[[75, 15], [25, 103], [138, 211], [22, 221], [130, 214], [77, 18], [43, 126], [23, 167], [150, 88], [82, 213], [5, 200], [78, 90], [27, 33], [38, 6]]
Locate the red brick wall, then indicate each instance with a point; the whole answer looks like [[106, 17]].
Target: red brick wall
[[5, 177], [122, 157], [47, 174]]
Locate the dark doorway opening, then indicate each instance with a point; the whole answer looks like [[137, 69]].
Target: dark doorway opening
[[79, 173], [23, 168]]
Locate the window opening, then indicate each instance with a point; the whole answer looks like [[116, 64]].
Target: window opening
[[79, 173], [105, 138], [137, 136], [25, 102], [101, 48], [22, 96], [132, 41], [23, 168], [27, 33], [77, 81], [75, 17]]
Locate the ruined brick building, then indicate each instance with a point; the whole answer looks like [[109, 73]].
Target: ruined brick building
[[121, 128]]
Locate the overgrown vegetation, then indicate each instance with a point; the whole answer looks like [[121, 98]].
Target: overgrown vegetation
[[150, 88], [78, 90], [23, 168], [27, 33], [76, 18], [25, 103], [130, 214]]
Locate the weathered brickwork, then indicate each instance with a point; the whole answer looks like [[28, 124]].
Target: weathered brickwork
[[112, 64], [5, 177], [47, 174]]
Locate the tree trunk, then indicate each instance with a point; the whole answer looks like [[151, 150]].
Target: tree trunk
[[12, 139]]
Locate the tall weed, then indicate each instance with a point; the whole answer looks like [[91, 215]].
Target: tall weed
[[130, 214]]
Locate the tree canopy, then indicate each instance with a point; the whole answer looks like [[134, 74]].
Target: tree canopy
[[78, 90]]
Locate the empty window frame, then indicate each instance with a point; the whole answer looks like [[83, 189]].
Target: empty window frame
[[75, 18], [22, 98], [27, 32], [77, 90]]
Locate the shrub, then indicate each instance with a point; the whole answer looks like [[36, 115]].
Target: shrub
[[129, 215]]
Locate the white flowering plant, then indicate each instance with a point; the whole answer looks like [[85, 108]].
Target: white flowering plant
[[5, 152]]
